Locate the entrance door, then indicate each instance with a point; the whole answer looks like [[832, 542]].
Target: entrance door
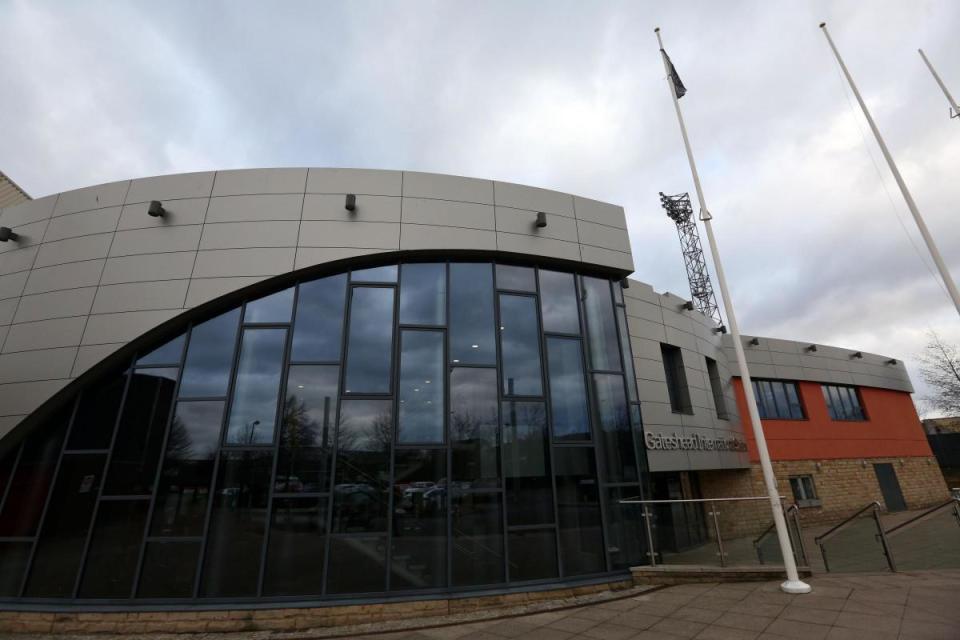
[[890, 486]]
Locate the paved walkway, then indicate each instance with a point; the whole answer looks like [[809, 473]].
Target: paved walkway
[[875, 607], [903, 606]]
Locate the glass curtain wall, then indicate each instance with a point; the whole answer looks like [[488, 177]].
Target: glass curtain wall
[[426, 426]]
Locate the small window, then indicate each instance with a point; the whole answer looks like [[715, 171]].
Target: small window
[[778, 400], [676, 379], [716, 386], [804, 491], [843, 403]]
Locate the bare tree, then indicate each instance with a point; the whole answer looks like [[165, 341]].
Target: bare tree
[[941, 370]]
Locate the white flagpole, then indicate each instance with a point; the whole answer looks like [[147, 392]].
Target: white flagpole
[[954, 107], [938, 260], [793, 584]]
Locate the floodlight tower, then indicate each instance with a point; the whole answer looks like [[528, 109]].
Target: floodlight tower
[[680, 210]]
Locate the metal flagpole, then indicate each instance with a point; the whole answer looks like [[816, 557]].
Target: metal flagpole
[[793, 584], [941, 265], [954, 107]]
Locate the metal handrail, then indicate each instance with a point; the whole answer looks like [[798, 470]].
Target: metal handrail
[[639, 501], [952, 501], [786, 512], [875, 506], [831, 531], [648, 519]]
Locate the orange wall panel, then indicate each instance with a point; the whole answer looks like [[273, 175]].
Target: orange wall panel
[[892, 428]]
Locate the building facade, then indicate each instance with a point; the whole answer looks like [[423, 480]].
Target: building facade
[[316, 384]]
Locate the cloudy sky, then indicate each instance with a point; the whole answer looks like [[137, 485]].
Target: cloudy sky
[[563, 95]]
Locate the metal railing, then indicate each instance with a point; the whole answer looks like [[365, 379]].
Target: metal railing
[[734, 548], [792, 515], [846, 523]]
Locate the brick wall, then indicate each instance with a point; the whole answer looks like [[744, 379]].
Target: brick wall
[[843, 486], [280, 619]]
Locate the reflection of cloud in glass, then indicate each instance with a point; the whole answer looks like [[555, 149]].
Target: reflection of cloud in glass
[[319, 322], [520, 346], [273, 308], [209, 357], [371, 341], [423, 293], [558, 302], [195, 432], [421, 387], [601, 327], [568, 395], [169, 353], [254, 409], [387, 273], [471, 314], [515, 278]]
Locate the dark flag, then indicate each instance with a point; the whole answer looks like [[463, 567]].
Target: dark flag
[[675, 77]]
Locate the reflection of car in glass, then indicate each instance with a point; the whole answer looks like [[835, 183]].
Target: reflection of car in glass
[[288, 484], [412, 499], [358, 505]]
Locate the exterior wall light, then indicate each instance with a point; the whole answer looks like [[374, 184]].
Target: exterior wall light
[[156, 209], [350, 204], [541, 219], [755, 342], [6, 233], [688, 305], [857, 354], [720, 329], [625, 283], [892, 361], [811, 349]]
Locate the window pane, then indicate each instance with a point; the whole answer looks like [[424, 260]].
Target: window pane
[[298, 535], [533, 554], [626, 533], [473, 426], [471, 314], [520, 346], [421, 387], [477, 539], [363, 466], [780, 398], [357, 564], [515, 278], [307, 429], [206, 371], [387, 273], [769, 404], [796, 409], [423, 293], [253, 414], [370, 343], [237, 524], [31, 481], [676, 378], [419, 553], [169, 569], [170, 353], [181, 502], [568, 393], [601, 326], [616, 436], [319, 322], [114, 549], [558, 302], [526, 464], [97, 414], [136, 451], [716, 387], [13, 562], [578, 504], [273, 308], [626, 353], [65, 526], [829, 401]]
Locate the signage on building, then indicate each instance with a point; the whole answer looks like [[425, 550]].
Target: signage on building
[[693, 442]]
